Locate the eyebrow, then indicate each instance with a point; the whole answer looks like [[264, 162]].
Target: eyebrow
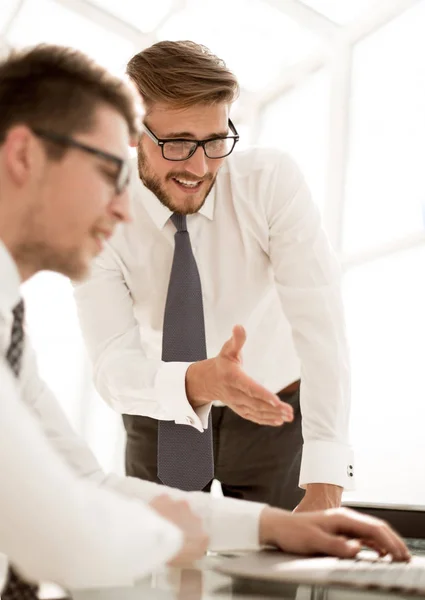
[[189, 135]]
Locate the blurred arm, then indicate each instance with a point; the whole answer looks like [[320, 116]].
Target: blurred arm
[[58, 527], [230, 523]]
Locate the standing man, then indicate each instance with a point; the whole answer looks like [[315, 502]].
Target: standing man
[[220, 240]]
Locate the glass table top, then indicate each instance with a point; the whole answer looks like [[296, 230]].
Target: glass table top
[[203, 583]]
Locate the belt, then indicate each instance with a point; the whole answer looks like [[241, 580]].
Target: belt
[[290, 389]]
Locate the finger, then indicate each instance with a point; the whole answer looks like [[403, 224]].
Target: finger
[[272, 422], [256, 411], [239, 338], [374, 546], [338, 545], [392, 545], [233, 347], [259, 408], [254, 391], [364, 527], [160, 501], [392, 542]]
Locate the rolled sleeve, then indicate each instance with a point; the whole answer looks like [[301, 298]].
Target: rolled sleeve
[[170, 393], [328, 462]]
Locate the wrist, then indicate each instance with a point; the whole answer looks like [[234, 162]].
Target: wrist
[[267, 526], [329, 493], [198, 390]]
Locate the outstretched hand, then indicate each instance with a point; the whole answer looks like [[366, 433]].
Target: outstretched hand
[[223, 378]]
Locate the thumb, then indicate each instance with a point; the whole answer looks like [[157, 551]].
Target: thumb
[[338, 545], [233, 347]]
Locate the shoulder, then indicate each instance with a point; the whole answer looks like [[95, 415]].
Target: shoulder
[[261, 164], [258, 174]]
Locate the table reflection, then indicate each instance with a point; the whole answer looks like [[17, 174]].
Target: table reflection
[[203, 583]]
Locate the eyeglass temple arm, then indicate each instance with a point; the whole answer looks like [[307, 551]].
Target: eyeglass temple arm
[[233, 129], [151, 135]]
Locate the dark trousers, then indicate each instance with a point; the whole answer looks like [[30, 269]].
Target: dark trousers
[[252, 462]]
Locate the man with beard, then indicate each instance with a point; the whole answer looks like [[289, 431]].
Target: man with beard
[[221, 245]]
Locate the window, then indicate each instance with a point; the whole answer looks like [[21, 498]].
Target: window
[[61, 25], [385, 302], [298, 123], [385, 197]]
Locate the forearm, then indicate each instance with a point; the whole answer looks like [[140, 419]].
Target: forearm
[[104, 538], [230, 523], [128, 372], [133, 385]]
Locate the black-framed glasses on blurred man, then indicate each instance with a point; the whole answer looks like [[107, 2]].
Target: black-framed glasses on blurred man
[[123, 172], [183, 149]]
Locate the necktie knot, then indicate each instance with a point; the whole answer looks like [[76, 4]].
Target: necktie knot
[[179, 221]]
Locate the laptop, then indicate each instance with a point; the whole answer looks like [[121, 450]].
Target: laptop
[[407, 519], [366, 571]]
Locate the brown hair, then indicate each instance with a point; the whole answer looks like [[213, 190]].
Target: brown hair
[[59, 89], [181, 74]]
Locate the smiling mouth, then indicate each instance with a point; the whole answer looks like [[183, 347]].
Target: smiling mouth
[[188, 185], [101, 236]]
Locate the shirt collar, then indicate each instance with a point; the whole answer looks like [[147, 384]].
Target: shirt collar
[[160, 213], [10, 281]]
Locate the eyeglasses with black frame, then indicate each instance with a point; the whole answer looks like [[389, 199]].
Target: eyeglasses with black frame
[[123, 172], [176, 149]]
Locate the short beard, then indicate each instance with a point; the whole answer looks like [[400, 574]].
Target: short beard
[[153, 184], [40, 257]]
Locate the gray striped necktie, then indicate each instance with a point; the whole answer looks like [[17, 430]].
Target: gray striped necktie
[[185, 455], [15, 587]]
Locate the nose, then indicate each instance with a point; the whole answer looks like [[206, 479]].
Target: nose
[[197, 163], [120, 206]]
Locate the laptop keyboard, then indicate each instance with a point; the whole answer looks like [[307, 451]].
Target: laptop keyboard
[[381, 573], [416, 545]]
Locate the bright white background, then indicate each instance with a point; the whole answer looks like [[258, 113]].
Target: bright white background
[[339, 84]]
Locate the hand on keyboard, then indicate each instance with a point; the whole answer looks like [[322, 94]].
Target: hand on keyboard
[[335, 532]]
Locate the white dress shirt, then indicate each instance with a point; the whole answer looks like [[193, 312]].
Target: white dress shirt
[[264, 262], [62, 518]]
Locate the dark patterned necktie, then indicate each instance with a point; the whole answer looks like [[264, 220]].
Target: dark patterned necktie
[[15, 587], [185, 455]]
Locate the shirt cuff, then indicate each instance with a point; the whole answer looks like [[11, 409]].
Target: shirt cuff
[[327, 462], [170, 393], [235, 524]]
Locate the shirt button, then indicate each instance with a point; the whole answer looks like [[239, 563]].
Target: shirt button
[[189, 420], [350, 472]]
